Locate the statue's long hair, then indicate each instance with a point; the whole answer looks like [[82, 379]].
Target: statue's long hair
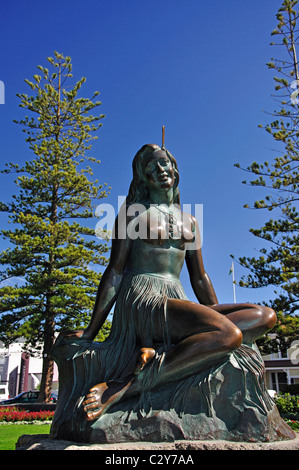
[[138, 191]]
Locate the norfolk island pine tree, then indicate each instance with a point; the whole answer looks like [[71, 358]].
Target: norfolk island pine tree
[[55, 255]]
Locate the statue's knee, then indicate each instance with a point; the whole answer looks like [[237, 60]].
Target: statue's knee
[[237, 337], [269, 317], [232, 337]]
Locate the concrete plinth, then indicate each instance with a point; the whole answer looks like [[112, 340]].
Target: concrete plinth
[[43, 442]]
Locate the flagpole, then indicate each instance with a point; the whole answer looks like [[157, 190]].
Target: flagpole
[[234, 286], [232, 271]]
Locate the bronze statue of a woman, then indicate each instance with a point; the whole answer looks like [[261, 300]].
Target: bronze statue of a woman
[[158, 336]]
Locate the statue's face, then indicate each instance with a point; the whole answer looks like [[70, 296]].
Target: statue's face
[[159, 171]]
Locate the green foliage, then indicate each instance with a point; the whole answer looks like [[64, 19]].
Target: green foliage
[[282, 335], [287, 403], [55, 257], [277, 263], [288, 407], [293, 424], [104, 331]]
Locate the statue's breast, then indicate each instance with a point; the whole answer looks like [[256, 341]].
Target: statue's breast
[[158, 228]]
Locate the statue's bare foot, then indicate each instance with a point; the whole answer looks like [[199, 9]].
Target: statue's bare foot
[[145, 356], [103, 395]]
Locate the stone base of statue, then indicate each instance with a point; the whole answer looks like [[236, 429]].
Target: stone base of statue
[[228, 402]]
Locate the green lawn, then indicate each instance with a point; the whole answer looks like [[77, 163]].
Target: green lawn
[[9, 433]]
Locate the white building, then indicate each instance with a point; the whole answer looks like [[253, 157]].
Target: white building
[[19, 371], [283, 369]]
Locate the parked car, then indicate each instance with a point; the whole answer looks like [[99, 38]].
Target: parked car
[[27, 397], [4, 395]]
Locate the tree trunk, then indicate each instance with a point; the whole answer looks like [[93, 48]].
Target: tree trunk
[[46, 382], [49, 338], [48, 363]]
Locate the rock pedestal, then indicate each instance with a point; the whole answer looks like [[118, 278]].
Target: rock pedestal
[[226, 402]]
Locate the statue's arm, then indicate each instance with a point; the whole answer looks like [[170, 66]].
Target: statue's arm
[[200, 281], [109, 285]]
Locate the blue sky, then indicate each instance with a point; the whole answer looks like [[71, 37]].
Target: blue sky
[[196, 67]]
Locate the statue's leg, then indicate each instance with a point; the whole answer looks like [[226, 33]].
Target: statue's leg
[[201, 336], [253, 320]]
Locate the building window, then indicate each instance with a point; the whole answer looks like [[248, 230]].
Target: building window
[[278, 379]]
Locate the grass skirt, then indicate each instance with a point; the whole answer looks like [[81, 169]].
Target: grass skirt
[[140, 320]]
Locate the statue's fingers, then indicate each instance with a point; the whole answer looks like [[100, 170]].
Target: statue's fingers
[[90, 406], [91, 393], [89, 400]]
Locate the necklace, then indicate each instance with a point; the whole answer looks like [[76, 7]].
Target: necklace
[[174, 230]]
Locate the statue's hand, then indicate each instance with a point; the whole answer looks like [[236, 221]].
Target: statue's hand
[[80, 334]]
